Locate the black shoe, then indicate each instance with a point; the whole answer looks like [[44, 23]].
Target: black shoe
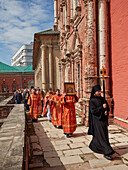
[[108, 157], [68, 136], [65, 133], [50, 121], [34, 120], [60, 127], [55, 126]]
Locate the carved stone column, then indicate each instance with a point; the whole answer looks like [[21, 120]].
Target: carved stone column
[[51, 66], [72, 69], [91, 63], [43, 56], [91, 56], [68, 12], [71, 9], [60, 77], [63, 64], [55, 13]]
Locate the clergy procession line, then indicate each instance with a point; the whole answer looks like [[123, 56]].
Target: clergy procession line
[[60, 111]]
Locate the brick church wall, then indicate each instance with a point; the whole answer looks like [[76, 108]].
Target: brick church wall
[[15, 80], [119, 34]]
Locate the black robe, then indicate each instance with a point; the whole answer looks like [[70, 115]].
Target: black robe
[[98, 123]]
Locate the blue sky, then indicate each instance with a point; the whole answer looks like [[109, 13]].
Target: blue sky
[[19, 20]]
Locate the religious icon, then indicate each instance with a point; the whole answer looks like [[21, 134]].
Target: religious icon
[[69, 88]]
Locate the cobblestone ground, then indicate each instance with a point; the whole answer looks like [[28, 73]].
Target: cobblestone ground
[[60, 153]]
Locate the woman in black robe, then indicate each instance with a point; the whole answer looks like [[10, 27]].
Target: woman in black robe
[[98, 122]]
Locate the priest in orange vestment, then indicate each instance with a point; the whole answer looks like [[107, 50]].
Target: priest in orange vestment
[[40, 106], [69, 115], [57, 110], [34, 103]]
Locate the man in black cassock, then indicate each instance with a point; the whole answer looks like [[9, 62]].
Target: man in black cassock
[[98, 122]]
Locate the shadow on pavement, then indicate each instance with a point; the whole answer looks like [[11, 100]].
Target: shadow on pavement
[[43, 154], [75, 135], [121, 150]]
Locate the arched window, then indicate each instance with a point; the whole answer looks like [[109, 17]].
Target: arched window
[[4, 86], [14, 85]]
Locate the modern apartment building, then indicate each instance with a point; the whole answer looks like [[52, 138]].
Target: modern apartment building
[[24, 56]]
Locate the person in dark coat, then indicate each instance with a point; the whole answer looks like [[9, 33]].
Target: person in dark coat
[[25, 98], [98, 123], [18, 98]]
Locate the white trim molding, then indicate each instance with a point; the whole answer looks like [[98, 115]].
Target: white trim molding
[[123, 120]]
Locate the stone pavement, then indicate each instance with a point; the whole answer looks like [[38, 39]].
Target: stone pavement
[[12, 139], [61, 153]]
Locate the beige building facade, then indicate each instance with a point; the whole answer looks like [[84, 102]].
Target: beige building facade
[[46, 56]]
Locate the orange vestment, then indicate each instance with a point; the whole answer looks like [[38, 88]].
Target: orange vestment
[[40, 106], [69, 115], [35, 103], [57, 110], [47, 99]]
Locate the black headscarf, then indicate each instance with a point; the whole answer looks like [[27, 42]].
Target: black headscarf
[[94, 89]]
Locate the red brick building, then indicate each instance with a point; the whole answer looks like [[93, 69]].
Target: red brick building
[[93, 36], [84, 44], [119, 50], [12, 78]]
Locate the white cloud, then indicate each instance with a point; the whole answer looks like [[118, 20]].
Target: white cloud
[[20, 19]]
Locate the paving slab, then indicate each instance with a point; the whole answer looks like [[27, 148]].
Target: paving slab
[[97, 163], [36, 146], [86, 150], [36, 165], [37, 153], [50, 154], [54, 135], [60, 153], [99, 156], [122, 139], [34, 139], [87, 157], [121, 145], [61, 142], [53, 162], [78, 166], [72, 152], [78, 139], [7, 138], [113, 141], [71, 160], [116, 167], [78, 145], [48, 149], [125, 161], [125, 156], [122, 151], [61, 147]]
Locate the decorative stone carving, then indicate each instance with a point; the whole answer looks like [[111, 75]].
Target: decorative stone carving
[[78, 11]]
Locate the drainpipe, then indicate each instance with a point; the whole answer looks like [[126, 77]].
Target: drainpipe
[[102, 36]]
